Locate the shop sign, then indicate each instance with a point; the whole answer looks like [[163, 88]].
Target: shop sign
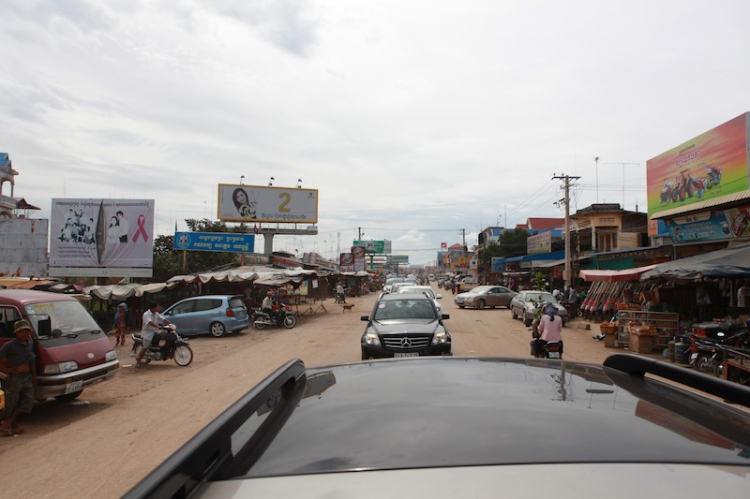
[[539, 243], [498, 264]]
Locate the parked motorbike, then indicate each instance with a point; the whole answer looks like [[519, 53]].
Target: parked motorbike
[[172, 346], [707, 354], [281, 317]]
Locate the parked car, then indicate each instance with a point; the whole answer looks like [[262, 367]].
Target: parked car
[[525, 302], [72, 351], [485, 296], [470, 427], [405, 325], [214, 314], [425, 290]]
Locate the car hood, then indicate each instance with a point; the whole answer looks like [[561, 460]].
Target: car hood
[[401, 327]]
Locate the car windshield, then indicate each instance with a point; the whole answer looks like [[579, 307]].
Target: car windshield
[[480, 289], [55, 319], [406, 308]]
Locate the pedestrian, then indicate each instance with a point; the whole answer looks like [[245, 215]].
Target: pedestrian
[[743, 293], [150, 330], [20, 372], [550, 329], [121, 317], [340, 292]]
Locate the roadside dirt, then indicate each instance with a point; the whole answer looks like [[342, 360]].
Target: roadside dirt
[[118, 431]]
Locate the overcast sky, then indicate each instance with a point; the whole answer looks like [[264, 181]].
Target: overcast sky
[[415, 120]]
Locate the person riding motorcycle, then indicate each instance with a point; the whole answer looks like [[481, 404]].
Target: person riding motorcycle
[[151, 330], [550, 329]]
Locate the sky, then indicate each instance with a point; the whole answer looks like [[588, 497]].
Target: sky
[[419, 121]]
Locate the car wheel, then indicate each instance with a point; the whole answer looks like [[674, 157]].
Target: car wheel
[[217, 329], [69, 396], [290, 321], [183, 355], [461, 306], [526, 320], [513, 313], [480, 304]]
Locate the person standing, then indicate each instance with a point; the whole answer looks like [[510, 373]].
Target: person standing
[[20, 372], [340, 292], [121, 324], [150, 329], [743, 293], [124, 226]]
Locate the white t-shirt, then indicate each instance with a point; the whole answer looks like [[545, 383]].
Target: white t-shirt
[[147, 330]]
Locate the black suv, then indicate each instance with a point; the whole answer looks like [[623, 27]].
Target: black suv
[[471, 427], [405, 325]]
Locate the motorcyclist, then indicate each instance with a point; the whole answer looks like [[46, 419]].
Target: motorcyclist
[[550, 329], [151, 330], [267, 304]]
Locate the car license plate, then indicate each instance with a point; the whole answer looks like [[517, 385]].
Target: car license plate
[[410, 354], [73, 387], [554, 355]]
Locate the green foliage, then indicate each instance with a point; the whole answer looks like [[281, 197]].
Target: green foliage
[[513, 243]]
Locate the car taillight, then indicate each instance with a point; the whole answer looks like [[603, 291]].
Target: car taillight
[[230, 312]]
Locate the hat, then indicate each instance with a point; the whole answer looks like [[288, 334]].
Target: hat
[[269, 292], [21, 326]]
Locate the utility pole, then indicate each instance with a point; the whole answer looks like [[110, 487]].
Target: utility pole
[[568, 272], [596, 160]]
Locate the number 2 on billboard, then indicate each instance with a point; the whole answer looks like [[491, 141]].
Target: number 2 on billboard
[[286, 197]]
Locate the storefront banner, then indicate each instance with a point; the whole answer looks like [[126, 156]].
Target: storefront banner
[[739, 221], [226, 242], [703, 226], [711, 165], [398, 259], [241, 203], [102, 233]]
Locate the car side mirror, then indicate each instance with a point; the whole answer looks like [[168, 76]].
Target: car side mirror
[[438, 297], [364, 318]]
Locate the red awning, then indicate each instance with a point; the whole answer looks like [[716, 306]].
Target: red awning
[[615, 275]]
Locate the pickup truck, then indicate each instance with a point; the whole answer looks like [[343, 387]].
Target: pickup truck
[[467, 283]]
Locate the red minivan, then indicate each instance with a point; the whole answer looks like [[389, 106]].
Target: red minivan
[[72, 351]]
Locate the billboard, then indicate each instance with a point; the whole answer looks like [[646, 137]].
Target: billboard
[[379, 247], [708, 166], [242, 203], [23, 247], [226, 242], [539, 243], [346, 262], [112, 234]]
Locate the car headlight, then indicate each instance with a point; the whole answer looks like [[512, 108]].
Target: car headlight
[[371, 339], [62, 367], [110, 356], [441, 338]]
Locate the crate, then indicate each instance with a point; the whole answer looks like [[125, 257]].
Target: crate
[[609, 341], [641, 343]]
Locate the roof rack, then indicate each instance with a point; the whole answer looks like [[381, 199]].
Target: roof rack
[[636, 366]]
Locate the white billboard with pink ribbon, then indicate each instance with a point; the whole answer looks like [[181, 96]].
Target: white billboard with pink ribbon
[[103, 234]]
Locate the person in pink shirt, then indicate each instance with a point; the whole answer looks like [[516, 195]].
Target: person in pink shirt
[[550, 329]]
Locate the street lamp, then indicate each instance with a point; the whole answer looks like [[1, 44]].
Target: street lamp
[[270, 182], [242, 178], [299, 183]]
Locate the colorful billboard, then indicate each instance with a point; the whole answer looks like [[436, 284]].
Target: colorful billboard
[[539, 243], [711, 165], [241, 203], [225, 242], [113, 234]]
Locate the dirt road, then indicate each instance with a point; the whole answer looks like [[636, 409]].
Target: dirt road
[[118, 431]]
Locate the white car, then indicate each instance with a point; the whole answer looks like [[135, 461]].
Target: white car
[[425, 290]]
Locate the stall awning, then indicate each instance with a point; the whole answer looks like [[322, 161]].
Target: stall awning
[[615, 275], [729, 262]]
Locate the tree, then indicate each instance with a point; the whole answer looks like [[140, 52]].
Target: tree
[[168, 262], [513, 243]]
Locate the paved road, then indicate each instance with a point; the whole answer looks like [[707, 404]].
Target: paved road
[[122, 429]]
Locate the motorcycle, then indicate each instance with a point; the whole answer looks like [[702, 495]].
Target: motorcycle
[[172, 346], [281, 317], [707, 354], [552, 350]]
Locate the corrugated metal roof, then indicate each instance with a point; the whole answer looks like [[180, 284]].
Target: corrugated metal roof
[[702, 205]]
